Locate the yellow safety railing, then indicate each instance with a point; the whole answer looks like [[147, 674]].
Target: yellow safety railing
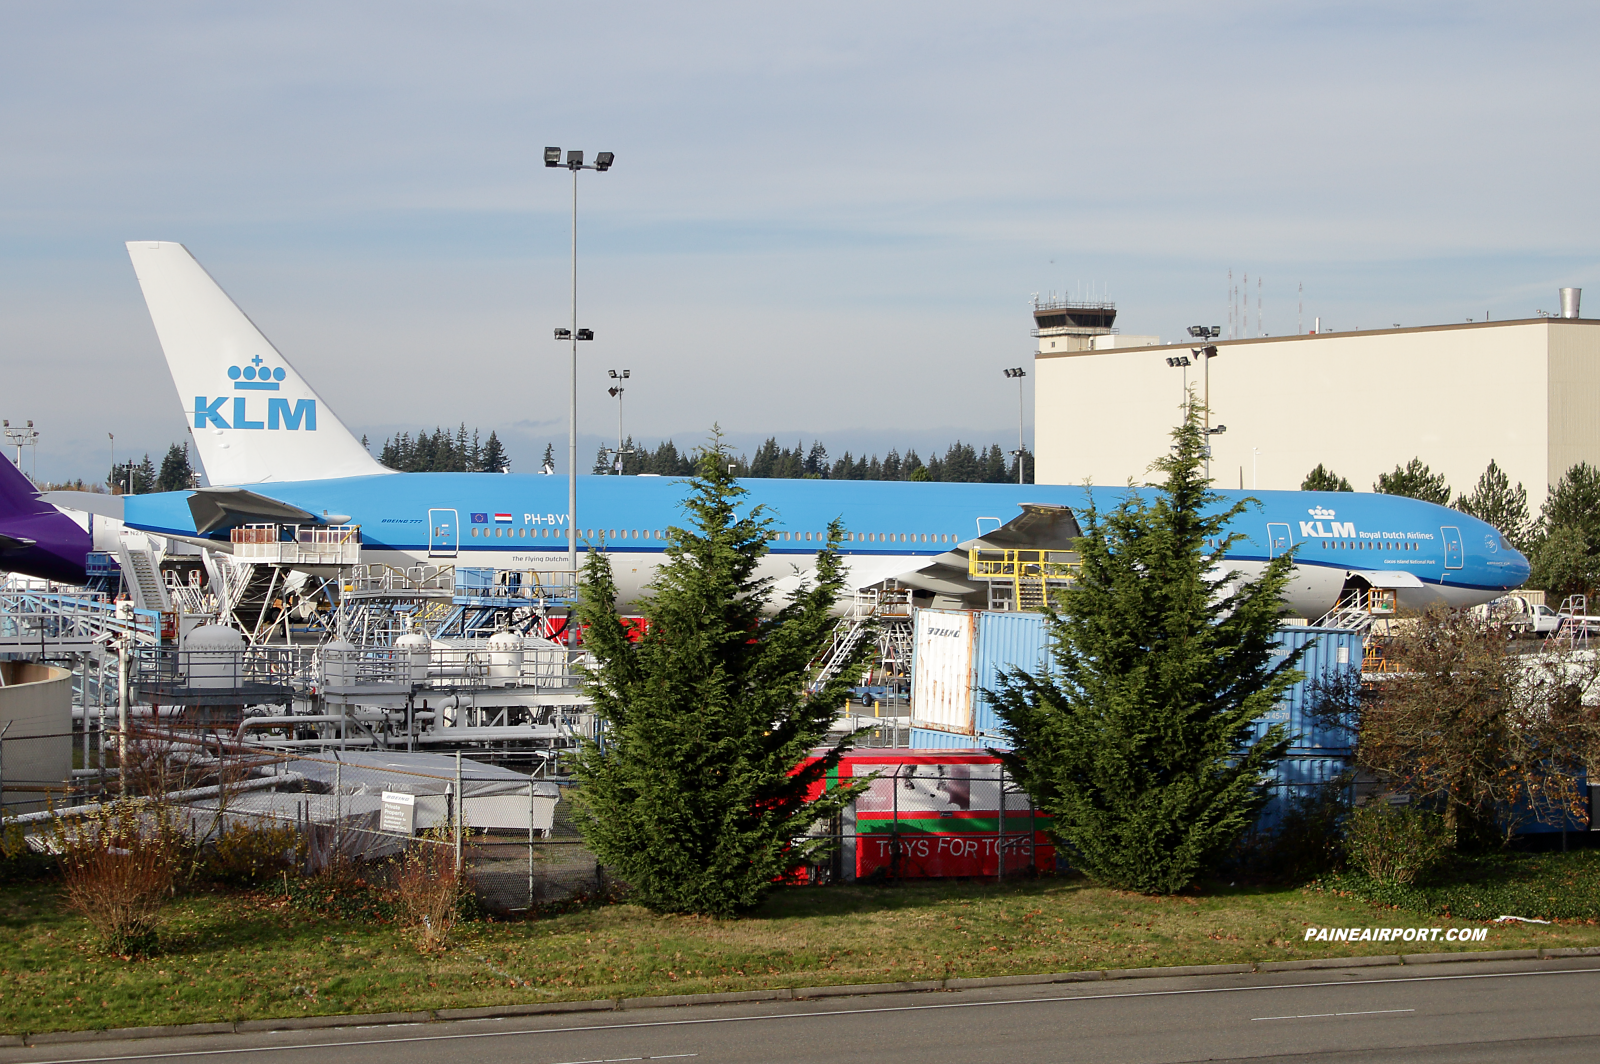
[[1031, 572]]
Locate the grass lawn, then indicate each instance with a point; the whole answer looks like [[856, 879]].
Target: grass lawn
[[241, 956]]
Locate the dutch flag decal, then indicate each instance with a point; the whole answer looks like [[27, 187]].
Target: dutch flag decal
[[502, 519]]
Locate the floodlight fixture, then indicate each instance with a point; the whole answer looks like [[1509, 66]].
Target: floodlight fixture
[[586, 334], [1016, 371], [1179, 360], [603, 160], [574, 160], [552, 156], [1217, 431], [563, 334]]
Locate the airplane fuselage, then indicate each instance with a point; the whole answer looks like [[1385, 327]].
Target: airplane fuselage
[[519, 521]]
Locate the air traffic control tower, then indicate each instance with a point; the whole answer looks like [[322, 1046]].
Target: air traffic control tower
[[1063, 325]]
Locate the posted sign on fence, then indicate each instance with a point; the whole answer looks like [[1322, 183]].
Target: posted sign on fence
[[399, 813]]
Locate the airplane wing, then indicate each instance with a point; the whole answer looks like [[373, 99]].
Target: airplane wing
[[1038, 527], [215, 508], [90, 502]]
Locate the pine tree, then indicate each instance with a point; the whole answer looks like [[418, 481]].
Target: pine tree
[[175, 473], [1415, 481], [697, 798], [816, 464], [493, 459], [1506, 508], [1324, 479], [1140, 748], [1575, 503], [547, 464]]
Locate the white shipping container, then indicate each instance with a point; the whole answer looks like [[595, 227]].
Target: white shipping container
[[941, 670]]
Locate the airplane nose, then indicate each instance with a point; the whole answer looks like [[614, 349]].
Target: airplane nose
[[1517, 572]]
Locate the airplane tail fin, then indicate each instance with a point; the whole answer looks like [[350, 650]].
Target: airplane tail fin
[[253, 418], [18, 498]]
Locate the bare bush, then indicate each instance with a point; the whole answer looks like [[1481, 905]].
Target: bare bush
[[1397, 845], [429, 890], [1490, 738], [118, 867]]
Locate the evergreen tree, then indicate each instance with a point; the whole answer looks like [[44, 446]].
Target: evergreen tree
[[175, 473], [994, 465], [1575, 503], [1324, 479], [547, 464], [1141, 747], [698, 797], [1494, 500], [602, 461], [816, 460], [1415, 481], [909, 468], [494, 458], [1027, 468], [1562, 565]]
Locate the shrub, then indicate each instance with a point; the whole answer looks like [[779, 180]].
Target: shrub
[[118, 867], [1396, 844], [251, 853], [1306, 842], [429, 890]]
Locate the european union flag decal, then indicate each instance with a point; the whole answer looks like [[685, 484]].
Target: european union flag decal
[[480, 519]]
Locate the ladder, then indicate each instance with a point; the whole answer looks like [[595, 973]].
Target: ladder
[[142, 575]]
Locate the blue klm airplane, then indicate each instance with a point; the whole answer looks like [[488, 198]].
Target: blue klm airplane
[[278, 454]]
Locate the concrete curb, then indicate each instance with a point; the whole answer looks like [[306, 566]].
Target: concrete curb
[[312, 1023], [491, 1012], [1491, 955], [1186, 969], [852, 990]]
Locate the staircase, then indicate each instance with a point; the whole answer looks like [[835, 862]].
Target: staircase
[[142, 576], [1356, 610]]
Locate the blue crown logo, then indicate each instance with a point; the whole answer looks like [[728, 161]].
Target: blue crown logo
[[256, 377]]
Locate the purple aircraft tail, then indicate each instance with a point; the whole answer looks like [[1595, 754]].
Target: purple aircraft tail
[[36, 539]]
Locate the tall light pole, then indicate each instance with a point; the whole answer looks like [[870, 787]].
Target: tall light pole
[[574, 162], [20, 438], [1018, 373], [1205, 355], [616, 393]]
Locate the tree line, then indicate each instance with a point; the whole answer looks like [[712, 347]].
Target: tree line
[[1562, 544], [961, 463], [142, 477], [444, 452]]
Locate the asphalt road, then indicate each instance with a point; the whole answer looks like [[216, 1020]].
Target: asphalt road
[[1511, 1011]]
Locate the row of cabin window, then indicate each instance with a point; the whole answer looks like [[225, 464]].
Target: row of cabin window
[[635, 533], [1351, 544]]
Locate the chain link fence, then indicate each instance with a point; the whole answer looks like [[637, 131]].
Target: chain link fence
[[510, 833]]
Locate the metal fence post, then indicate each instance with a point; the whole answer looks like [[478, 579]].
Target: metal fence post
[[530, 843], [3, 731], [461, 811], [122, 716], [1001, 834], [338, 806]]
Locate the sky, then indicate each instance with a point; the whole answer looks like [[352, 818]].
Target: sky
[[826, 221]]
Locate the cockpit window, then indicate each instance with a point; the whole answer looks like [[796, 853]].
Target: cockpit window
[[1505, 544]]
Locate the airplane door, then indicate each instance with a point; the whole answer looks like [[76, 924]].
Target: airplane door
[[1278, 539], [1453, 558], [441, 533]]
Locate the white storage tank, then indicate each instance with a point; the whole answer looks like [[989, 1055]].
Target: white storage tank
[[505, 658], [415, 650], [339, 663], [213, 656]]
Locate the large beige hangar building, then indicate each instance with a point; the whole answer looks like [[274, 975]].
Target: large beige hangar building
[[1525, 394]]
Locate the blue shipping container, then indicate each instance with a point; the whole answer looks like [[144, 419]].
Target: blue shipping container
[[1008, 641]]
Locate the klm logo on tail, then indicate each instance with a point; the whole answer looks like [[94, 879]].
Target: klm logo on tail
[[256, 377]]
